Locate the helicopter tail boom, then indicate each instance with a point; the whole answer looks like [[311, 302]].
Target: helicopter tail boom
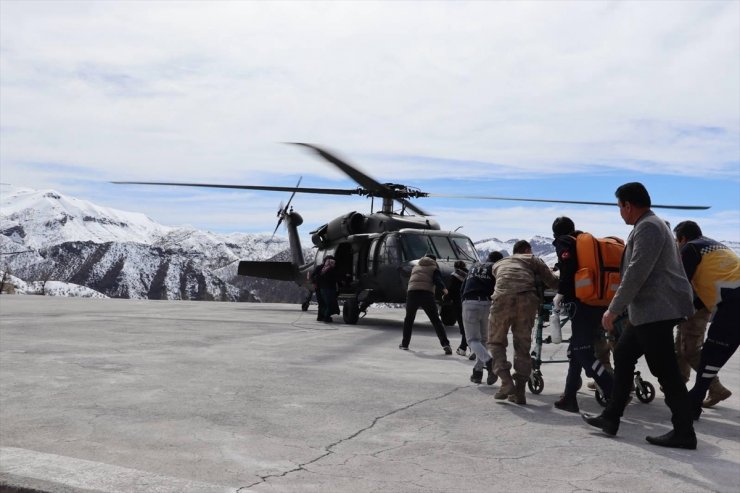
[[280, 271]]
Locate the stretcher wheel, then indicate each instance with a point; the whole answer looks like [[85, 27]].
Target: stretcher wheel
[[536, 383], [645, 392]]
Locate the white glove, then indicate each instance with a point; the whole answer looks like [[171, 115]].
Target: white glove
[[556, 301]]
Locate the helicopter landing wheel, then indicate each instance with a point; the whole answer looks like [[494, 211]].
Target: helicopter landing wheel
[[351, 311], [536, 383]]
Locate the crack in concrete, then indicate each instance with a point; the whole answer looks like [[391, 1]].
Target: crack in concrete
[[329, 448]]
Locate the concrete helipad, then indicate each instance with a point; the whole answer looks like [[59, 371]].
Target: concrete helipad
[[139, 396]]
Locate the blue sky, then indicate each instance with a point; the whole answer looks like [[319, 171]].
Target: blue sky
[[525, 99]]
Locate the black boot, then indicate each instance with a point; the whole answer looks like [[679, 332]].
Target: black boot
[[566, 403], [477, 376], [607, 425], [673, 439]]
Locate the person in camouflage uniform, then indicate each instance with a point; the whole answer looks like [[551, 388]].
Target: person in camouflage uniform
[[515, 304]]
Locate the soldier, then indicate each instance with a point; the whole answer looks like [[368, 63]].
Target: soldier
[[515, 304]]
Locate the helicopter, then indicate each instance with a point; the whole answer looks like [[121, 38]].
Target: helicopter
[[375, 252]]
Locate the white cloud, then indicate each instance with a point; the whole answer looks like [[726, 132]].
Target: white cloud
[[205, 91]]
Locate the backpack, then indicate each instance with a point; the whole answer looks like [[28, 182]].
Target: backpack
[[597, 277]]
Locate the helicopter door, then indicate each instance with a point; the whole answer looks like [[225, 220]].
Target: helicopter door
[[343, 258], [371, 255]]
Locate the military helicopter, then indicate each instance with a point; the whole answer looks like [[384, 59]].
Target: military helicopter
[[374, 252]]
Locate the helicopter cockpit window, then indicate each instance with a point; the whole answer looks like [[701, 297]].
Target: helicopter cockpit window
[[464, 248], [416, 246], [444, 247]]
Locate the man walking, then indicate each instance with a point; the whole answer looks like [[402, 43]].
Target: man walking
[[714, 271], [585, 320], [476, 294], [515, 304], [656, 295]]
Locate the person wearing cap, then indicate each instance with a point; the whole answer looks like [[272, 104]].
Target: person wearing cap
[[425, 278]]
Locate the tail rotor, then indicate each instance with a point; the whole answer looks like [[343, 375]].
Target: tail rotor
[[283, 210]]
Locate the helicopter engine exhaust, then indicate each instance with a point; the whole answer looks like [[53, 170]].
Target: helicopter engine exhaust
[[341, 227]]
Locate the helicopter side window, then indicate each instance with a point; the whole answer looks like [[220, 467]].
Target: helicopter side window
[[444, 247], [389, 253], [371, 256], [416, 246], [464, 248]]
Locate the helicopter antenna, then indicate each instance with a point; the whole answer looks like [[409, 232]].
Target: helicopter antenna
[[457, 229]]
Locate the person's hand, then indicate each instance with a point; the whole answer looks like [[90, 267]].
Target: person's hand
[[445, 292], [607, 321], [557, 301]]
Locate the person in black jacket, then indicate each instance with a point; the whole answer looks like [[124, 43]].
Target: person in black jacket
[[585, 321], [314, 278], [454, 283], [476, 295]]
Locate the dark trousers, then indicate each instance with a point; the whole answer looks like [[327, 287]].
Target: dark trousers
[[723, 338], [585, 324], [461, 326], [329, 297], [425, 300], [655, 341]]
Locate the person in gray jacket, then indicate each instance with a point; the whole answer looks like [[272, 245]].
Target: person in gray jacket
[[656, 294]]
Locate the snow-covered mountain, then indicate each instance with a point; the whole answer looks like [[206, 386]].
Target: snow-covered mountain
[[59, 244], [126, 254], [541, 246]]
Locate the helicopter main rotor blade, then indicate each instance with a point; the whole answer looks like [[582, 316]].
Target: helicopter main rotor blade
[[487, 197], [361, 178], [328, 191], [414, 208]]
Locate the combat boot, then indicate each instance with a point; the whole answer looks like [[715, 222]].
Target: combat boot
[[717, 393], [520, 387], [491, 379], [507, 385]]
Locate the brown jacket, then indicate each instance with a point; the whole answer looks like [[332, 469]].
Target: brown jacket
[[422, 275], [520, 273]]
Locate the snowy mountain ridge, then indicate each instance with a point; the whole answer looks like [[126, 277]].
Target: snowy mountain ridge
[[46, 236], [120, 253]]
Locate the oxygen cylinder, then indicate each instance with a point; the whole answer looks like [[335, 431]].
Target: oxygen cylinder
[[556, 334]]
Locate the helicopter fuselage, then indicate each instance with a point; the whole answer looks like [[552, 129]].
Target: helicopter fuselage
[[374, 256]]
